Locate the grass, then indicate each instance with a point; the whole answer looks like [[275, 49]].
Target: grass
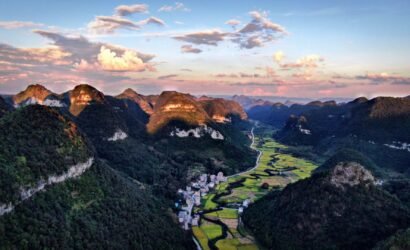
[[208, 203], [274, 157], [226, 213], [228, 244], [211, 230], [248, 247], [201, 237]]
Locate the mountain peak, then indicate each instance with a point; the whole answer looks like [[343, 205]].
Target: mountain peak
[[37, 92], [83, 95], [141, 100], [129, 91], [350, 174]]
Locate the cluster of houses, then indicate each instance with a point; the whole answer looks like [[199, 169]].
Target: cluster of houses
[[192, 197]]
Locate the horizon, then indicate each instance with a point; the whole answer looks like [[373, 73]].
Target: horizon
[[292, 50], [275, 99]]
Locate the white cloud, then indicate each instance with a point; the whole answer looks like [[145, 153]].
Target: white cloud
[[278, 56], [190, 49], [152, 20], [125, 10], [128, 61], [207, 37], [18, 24], [258, 32], [109, 24], [233, 22], [177, 6]]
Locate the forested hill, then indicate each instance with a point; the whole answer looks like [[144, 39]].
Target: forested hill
[[52, 201], [341, 208]]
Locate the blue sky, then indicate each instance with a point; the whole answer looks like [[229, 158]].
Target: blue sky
[[328, 48]]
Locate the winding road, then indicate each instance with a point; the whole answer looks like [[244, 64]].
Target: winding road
[[257, 159]]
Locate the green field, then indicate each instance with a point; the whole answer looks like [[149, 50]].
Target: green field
[[287, 169]]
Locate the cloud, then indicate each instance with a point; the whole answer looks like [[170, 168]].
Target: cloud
[[128, 61], [224, 75], [126, 10], [278, 56], [233, 22], [258, 32], [18, 24], [206, 37], [269, 73], [82, 54], [109, 24], [34, 56], [177, 6], [377, 78], [187, 70], [152, 20], [167, 76], [309, 61], [190, 49], [254, 84], [69, 60]]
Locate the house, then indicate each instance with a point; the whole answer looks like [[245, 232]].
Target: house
[[195, 221], [220, 177], [181, 216], [245, 203]]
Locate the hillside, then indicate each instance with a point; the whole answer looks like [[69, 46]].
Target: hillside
[[36, 142], [141, 100], [4, 107], [367, 126], [83, 202], [172, 106], [37, 94], [338, 209]]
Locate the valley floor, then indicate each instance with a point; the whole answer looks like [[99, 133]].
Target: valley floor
[[220, 210]]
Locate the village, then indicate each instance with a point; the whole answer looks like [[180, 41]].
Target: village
[[191, 197]]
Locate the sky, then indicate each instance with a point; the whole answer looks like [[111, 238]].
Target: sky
[[309, 49]]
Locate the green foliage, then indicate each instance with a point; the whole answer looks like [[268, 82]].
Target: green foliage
[[399, 241], [35, 142], [347, 155], [99, 210], [314, 214]]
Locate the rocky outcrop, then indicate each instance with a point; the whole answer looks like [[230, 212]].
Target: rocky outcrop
[[27, 192], [350, 174], [118, 136], [198, 132]]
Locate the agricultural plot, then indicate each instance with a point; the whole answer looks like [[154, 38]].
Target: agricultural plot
[[275, 170]]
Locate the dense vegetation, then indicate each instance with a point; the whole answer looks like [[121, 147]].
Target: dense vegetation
[[36, 142], [399, 241], [317, 214], [366, 126], [4, 107], [102, 209], [168, 163], [99, 210]]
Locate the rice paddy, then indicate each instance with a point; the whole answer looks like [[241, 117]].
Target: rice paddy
[[220, 224]]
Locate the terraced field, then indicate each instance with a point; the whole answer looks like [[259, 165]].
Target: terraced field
[[220, 225]]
